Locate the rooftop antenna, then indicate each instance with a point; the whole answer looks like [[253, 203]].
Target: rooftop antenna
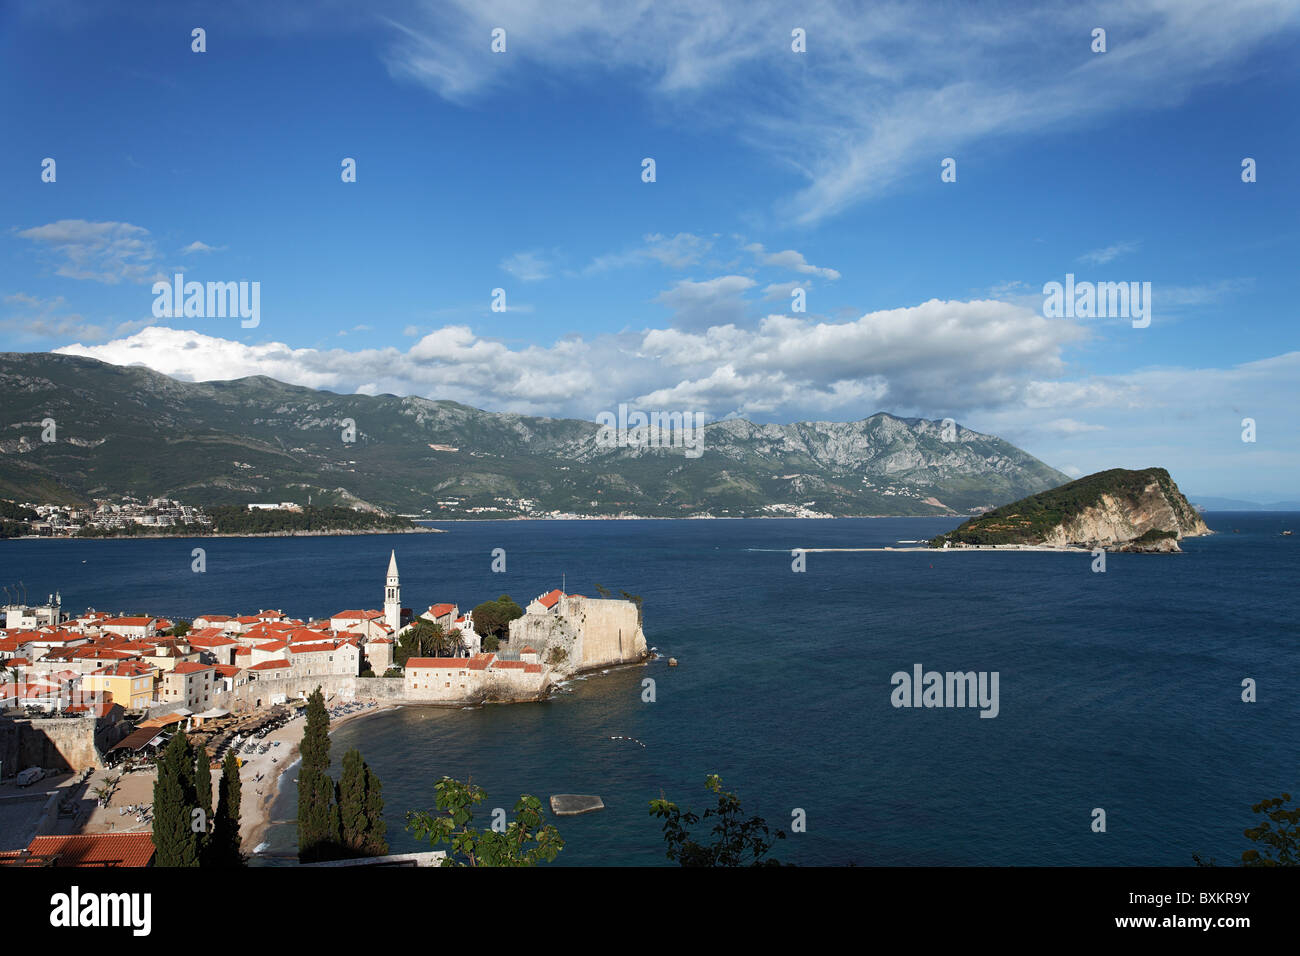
[[564, 587]]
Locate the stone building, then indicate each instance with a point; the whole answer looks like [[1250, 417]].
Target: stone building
[[574, 633]]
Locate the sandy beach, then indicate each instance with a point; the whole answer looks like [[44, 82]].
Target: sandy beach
[[259, 775], [259, 794]]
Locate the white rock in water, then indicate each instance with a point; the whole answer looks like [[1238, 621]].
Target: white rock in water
[[572, 804]]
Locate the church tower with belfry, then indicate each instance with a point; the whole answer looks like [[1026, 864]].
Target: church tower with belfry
[[393, 596]]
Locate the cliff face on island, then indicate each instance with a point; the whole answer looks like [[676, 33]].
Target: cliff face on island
[[1116, 509]]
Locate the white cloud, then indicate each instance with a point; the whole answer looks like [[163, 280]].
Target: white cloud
[[527, 266], [948, 356], [1100, 257], [993, 366], [789, 259], [781, 291], [197, 246], [674, 252], [876, 98], [698, 305], [108, 252], [34, 319]]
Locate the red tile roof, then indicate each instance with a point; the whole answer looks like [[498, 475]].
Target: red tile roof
[[209, 642], [441, 610], [270, 665], [128, 622], [438, 663], [93, 849], [99, 654], [549, 599], [191, 667], [124, 669], [313, 648]]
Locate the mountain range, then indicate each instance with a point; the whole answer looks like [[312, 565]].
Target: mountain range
[[120, 430]]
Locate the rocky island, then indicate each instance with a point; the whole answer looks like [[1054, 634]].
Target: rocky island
[[1116, 510]]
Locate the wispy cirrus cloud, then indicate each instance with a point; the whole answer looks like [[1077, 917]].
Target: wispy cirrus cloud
[[530, 266], [889, 95], [1099, 257], [34, 319], [673, 252], [789, 259], [108, 252], [199, 246]]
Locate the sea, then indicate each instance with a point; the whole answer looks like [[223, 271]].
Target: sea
[[1118, 691]]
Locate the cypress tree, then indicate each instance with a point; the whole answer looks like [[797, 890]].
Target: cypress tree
[[352, 802], [361, 809], [224, 842], [203, 791], [376, 843], [315, 746], [174, 799], [318, 812]]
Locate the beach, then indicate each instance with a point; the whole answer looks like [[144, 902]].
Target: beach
[[259, 794]]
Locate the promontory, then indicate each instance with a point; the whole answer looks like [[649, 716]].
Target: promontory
[[1119, 510]]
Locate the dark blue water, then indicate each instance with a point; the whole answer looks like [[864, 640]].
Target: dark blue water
[[1119, 690]]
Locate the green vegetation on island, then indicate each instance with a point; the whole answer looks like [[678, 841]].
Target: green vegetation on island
[[1030, 520]]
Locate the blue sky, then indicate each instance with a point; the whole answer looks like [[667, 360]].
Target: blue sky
[[774, 170]]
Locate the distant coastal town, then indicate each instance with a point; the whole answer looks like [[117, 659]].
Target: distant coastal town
[[129, 517], [94, 698]]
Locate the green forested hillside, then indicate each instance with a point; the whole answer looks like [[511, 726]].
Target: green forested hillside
[[129, 430]]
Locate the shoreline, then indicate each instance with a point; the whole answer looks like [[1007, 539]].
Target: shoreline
[[252, 534], [255, 817], [972, 547], [255, 809]]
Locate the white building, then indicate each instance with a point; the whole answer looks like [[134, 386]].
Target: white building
[[393, 596]]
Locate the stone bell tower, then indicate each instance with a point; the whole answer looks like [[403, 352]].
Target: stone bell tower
[[393, 596]]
